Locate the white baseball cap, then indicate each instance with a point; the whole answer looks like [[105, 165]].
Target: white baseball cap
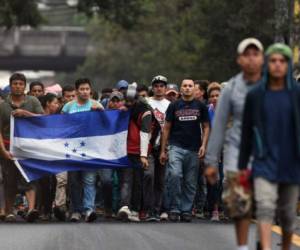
[[243, 45]]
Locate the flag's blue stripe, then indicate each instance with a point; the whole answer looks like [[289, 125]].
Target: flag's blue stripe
[[83, 124], [36, 169]]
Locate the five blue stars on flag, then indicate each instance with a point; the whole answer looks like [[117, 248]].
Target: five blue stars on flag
[[77, 149]]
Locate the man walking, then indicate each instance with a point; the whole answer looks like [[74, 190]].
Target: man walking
[[182, 131], [159, 105], [82, 182], [271, 133], [18, 105], [226, 127]]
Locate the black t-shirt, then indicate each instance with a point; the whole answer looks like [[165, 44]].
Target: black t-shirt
[[186, 117]]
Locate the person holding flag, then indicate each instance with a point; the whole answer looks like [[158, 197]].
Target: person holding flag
[[19, 105]]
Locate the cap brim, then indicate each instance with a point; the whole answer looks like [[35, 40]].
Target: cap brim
[[159, 82], [171, 91], [249, 42]]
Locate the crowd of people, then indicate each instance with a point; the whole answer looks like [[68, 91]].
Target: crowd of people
[[188, 147]]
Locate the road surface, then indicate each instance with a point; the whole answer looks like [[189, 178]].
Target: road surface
[[200, 235]]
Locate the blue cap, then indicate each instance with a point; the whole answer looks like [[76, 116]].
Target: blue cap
[[122, 84]]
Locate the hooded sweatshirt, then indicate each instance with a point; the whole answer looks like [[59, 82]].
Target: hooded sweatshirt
[[226, 127], [271, 131]]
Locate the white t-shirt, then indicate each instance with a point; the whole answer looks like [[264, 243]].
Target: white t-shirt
[[159, 109]]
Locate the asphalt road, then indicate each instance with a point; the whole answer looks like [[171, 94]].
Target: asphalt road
[[200, 235]]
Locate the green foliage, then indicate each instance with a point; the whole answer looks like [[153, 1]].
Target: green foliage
[[138, 39], [224, 24], [19, 12], [126, 13]]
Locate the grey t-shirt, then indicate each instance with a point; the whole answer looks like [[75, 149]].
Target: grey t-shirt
[[30, 104]]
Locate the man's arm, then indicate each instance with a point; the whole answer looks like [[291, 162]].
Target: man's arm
[[37, 109], [166, 133], [164, 142], [4, 153], [205, 129], [145, 137], [23, 113], [96, 105]]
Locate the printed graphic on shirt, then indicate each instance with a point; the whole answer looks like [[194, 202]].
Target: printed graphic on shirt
[[187, 114], [160, 117]]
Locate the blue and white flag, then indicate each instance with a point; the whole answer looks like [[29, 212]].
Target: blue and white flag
[[44, 145]]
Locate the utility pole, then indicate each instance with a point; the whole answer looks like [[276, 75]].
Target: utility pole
[[287, 26], [295, 31]]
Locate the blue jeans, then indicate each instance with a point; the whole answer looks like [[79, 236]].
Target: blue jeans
[[83, 190], [104, 190], [89, 190], [183, 169]]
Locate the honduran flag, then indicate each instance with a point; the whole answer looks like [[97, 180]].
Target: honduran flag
[[52, 144]]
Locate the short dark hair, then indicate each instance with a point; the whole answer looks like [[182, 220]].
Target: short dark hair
[[203, 84], [142, 87], [17, 76], [187, 78], [106, 90], [47, 98], [95, 95], [67, 88], [36, 83], [81, 81]]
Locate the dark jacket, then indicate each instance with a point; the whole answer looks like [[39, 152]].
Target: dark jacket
[[253, 140]]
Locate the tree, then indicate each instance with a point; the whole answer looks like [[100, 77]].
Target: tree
[[224, 24], [177, 38], [126, 13], [19, 12]]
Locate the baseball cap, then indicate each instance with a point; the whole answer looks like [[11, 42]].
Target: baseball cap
[[122, 85], [243, 45], [280, 48], [172, 87], [116, 94], [159, 78]]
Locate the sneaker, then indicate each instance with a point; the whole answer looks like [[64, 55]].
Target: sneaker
[[215, 216], [75, 217], [134, 217], [60, 213], [45, 217], [164, 216], [200, 214], [174, 217], [22, 213], [90, 216], [10, 218], [152, 217], [32, 216], [223, 216], [186, 217], [124, 213]]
